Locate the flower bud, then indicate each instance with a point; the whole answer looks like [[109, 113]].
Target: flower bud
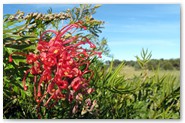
[[10, 58], [25, 88]]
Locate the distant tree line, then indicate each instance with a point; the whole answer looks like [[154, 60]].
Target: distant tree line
[[163, 64]]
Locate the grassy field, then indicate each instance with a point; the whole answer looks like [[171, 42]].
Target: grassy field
[[130, 72]]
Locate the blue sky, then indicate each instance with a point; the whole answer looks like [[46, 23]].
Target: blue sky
[[129, 27]]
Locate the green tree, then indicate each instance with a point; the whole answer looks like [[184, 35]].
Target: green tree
[[167, 66]]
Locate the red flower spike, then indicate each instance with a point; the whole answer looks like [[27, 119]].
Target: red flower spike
[[35, 69], [76, 72], [50, 88], [76, 84], [59, 63], [50, 60], [42, 46], [62, 84], [31, 58], [54, 50]]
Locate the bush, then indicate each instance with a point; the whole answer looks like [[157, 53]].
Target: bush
[[167, 66], [108, 95]]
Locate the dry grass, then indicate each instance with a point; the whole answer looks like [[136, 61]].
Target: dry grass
[[130, 72]]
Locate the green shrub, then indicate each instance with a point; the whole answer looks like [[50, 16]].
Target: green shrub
[[114, 96]]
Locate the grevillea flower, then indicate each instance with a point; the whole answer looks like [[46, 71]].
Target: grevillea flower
[[89, 106], [76, 83], [62, 84], [60, 66], [50, 60], [42, 46], [31, 58], [35, 70]]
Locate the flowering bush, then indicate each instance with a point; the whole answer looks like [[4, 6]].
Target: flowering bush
[[60, 66], [59, 76]]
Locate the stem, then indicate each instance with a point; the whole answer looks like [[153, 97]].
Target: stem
[[47, 32], [35, 81], [24, 80]]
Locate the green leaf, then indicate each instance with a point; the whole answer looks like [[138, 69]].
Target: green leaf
[[17, 61], [10, 23], [15, 29], [9, 66], [10, 37]]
